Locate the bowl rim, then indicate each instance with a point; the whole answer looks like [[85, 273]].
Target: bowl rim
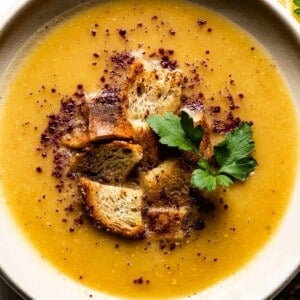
[[16, 10]]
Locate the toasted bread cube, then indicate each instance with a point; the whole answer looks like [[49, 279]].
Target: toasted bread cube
[[107, 119], [152, 90], [115, 209], [144, 136], [108, 163], [168, 183], [79, 138], [167, 222]]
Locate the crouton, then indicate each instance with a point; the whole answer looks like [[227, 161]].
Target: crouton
[[78, 138], [152, 90], [144, 136], [167, 184], [108, 163], [115, 209], [166, 223], [107, 118]]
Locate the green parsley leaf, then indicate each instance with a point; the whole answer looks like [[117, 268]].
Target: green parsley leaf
[[233, 159], [204, 164], [170, 131], [203, 180], [232, 155], [206, 180], [224, 180], [195, 134], [237, 145], [239, 169]]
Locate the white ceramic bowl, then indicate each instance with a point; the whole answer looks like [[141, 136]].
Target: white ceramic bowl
[[32, 277]]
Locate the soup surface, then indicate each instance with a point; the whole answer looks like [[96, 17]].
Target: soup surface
[[230, 63]]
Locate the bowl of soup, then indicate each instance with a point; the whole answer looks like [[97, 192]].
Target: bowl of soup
[[241, 63]]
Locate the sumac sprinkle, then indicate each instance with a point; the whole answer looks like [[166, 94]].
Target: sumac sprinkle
[[39, 169], [69, 208], [172, 246], [170, 52], [122, 33], [201, 22], [199, 224], [231, 123], [139, 280], [45, 138], [79, 94], [93, 32], [215, 109], [168, 64], [153, 54], [172, 31], [161, 51], [78, 221], [122, 60]]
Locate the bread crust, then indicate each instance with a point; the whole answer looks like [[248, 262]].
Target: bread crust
[[152, 90], [167, 222], [109, 162], [107, 118], [167, 184], [113, 208]]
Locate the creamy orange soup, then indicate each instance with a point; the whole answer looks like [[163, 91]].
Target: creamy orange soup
[[243, 221]]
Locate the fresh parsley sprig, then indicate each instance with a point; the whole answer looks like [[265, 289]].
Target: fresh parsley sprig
[[297, 9], [177, 132], [233, 160]]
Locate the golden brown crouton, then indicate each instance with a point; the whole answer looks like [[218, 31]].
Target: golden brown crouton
[[79, 138], [115, 209], [166, 223], [107, 118], [152, 90], [144, 136], [167, 184], [108, 163]]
